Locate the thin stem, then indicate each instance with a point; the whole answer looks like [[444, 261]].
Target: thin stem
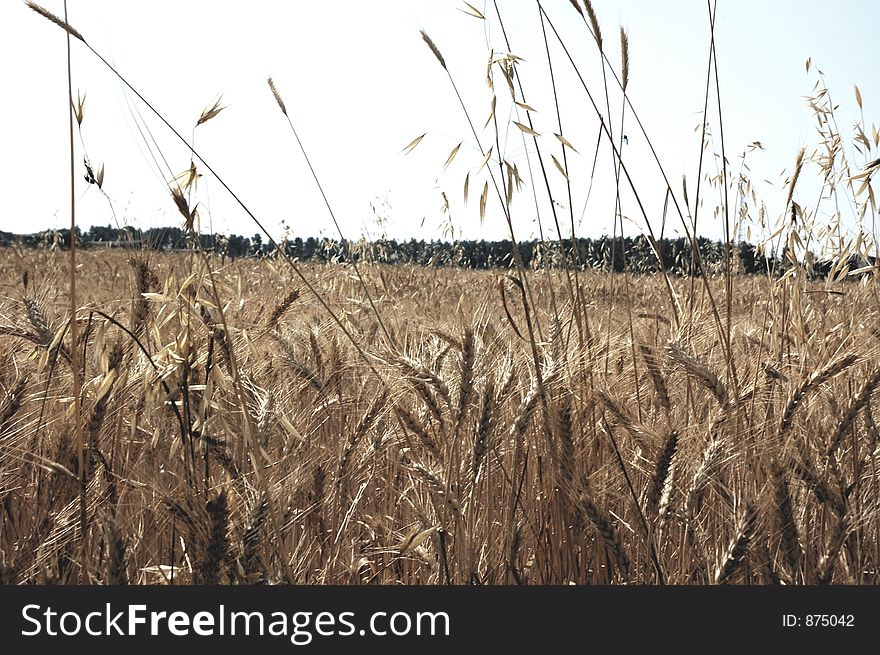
[[728, 278], [74, 331], [357, 269]]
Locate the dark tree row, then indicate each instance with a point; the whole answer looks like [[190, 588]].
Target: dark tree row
[[636, 254]]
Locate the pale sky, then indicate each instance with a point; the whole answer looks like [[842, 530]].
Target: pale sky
[[360, 84]]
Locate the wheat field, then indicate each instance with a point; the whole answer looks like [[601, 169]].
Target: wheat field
[[267, 447], [183, 418]]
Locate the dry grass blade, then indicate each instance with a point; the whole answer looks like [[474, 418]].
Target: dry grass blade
[[451, 156], [414, 538], [473, 11], [527, 130], [412, 146]]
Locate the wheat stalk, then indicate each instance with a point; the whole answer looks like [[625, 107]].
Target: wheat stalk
[[282, 306], [252, 538], [662, 472], [622, 417], [700, 372], [826, 565], [656, 375], [415, 426], [607, 531], [814, 381], [858, 403], [739, 546], [791, 547], [12, 403], [484, 427], [214, 557]]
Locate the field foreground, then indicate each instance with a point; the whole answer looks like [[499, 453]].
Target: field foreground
[[422, 436]]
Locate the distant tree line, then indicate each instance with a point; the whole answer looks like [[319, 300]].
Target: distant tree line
[[635, 254]]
